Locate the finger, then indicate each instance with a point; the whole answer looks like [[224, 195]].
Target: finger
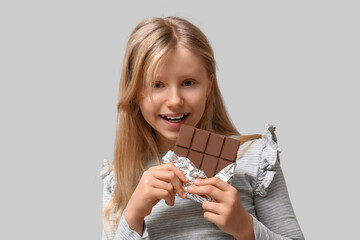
[[171, 167], [156, 183], [210, 190], [171, 177], [164, 194], [222, 185], [212, 207], [178, 172], [212, 217]]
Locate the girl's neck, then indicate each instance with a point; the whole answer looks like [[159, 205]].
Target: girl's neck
[[164, 145]]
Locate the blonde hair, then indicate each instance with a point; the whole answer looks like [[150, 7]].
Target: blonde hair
[[135, 140]]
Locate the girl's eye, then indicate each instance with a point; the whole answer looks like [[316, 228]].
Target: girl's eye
[[157, 85], [189, 82]]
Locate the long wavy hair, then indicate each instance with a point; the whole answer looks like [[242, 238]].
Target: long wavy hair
[[135, 141]]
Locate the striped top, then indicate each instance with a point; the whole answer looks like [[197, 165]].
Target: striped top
[[261, 187]]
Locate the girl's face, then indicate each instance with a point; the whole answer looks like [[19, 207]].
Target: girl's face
[[178, 97]]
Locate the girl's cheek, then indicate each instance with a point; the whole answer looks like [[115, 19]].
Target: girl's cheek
[[158, 97]]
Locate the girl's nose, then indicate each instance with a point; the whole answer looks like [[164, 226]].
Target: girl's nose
[[174, 99]]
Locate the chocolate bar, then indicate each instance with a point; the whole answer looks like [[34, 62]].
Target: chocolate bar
[[208, 151]]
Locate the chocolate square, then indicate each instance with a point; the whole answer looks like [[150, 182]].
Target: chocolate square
[[183, 152], [215, 144], [195, 157], [184, 139], [209, 166], [200, 140], [229, 150]]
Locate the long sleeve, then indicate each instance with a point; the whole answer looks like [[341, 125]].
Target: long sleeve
[[123, 231], [275, 216]]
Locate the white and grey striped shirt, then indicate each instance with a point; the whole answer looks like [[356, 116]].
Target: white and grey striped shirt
[[262, 190]]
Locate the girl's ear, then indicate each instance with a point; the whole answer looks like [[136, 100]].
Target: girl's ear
[[211, 78]]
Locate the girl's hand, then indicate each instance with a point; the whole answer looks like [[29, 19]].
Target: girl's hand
[[227, 212], [156, 183]]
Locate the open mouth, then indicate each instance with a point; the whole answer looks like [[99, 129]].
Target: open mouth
[[175, 119]]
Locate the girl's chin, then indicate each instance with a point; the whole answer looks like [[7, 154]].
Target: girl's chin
[[166, 140], [171, 137]]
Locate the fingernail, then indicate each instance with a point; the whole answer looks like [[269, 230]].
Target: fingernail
[[197, 181], [190, 188], [184, 194]]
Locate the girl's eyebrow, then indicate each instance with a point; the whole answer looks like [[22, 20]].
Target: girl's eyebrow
[[190, 75], [182, 76]]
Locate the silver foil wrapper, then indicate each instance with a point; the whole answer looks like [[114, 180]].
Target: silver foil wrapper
[[193, 173]]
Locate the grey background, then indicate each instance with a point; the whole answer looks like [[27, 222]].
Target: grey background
[[290, 63]]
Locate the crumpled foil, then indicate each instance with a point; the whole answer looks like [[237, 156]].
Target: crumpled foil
[[192, 173]]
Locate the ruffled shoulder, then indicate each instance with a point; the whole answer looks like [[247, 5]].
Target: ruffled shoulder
[[108, 177], [268, 158]]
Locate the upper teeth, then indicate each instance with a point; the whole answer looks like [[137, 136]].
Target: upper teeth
[[173, 118]]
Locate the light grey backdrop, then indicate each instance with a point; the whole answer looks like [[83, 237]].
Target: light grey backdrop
[[294, 64]]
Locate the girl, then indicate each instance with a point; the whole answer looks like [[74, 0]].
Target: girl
[[169, 79]]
